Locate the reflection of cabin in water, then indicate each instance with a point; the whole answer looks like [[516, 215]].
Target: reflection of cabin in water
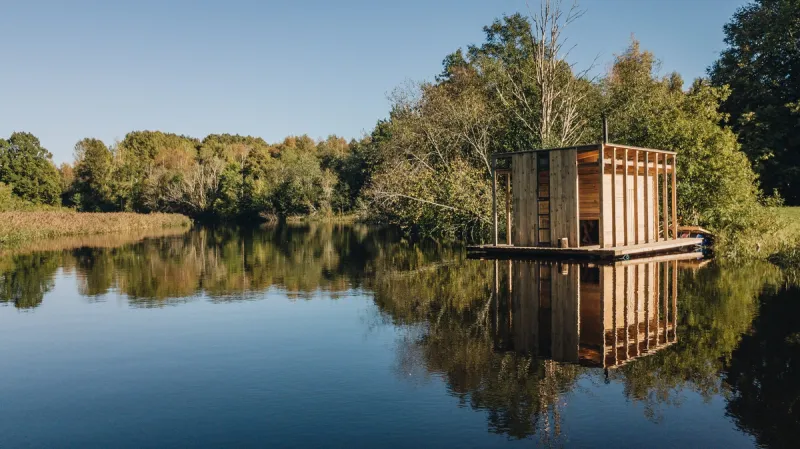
[[595, 315], [602, 200]]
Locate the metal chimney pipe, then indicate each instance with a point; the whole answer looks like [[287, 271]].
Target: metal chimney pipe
[[605, 129]]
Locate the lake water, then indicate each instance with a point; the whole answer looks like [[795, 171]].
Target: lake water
[[348, 336]]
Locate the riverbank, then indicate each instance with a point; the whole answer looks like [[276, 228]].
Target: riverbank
[[18, 228]]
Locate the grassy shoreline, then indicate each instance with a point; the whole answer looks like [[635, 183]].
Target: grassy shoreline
[[17, 228]]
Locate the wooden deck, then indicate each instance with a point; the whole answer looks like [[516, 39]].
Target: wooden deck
[[586, 252]]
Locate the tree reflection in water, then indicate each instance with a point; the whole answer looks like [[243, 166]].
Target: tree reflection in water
[[508, 338]]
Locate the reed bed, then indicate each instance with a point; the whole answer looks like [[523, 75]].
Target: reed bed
[[18, 228]]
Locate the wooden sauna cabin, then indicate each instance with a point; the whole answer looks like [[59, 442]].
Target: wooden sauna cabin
[[598, 315], [572, 202]]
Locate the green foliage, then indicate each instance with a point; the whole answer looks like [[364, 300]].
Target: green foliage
[[760, 65], [716, 186], [11, 202], [93, 175], [26, 166]]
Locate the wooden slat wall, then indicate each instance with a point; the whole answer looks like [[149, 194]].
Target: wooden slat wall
[[564, 208], [636, 198], [565, 304], [524, 198]]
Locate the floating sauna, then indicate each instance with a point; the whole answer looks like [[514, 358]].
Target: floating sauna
[[593, 315], [602, 200]]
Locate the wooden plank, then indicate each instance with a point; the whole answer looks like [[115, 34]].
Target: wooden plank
[[674, 198], [516, 190], [508, 208], [664, 201], [524, 201], [594, 251], [636, 196], [494, 202], [533, 194], [564, 207], [602, 162], [613, 197], [655, 200], [652, 150], [625, 211], [647, 215]]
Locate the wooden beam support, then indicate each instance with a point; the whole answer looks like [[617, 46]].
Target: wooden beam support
[[508, 208], [655, 200], [647, 234], [665, 200], [625, 211], [614, 197], [602, 161], [636, 198], [674, 198], [494, 200]]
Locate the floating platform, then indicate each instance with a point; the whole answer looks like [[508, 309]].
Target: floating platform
[[587, 252]]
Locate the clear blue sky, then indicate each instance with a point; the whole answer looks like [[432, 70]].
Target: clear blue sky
[[74, 69]]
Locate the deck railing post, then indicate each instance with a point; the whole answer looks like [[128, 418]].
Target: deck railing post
[[674, 198], [494, 199], [665, 201], [614, 197], [636, 197], [625, 211], [647, 215], [508, 208], [602, 160]]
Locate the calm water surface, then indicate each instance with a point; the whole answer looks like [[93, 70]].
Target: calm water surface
[[346, 336]]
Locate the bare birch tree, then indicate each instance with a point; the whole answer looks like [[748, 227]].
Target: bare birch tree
[[544, 92]]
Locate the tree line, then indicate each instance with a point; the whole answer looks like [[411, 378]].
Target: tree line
[[222, 176], [426, 167]]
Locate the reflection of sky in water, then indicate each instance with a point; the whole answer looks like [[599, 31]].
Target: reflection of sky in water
[[396, 352]]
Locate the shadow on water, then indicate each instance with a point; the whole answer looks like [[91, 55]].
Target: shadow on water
[[509, 338]]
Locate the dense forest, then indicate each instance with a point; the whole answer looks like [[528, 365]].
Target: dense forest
[[426, 166]]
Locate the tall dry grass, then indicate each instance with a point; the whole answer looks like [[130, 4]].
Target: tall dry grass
[[24, 227]]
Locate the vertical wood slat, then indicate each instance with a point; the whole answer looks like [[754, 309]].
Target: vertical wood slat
[[664, 201], [524, 201], [636, 238], [647, 214], [655, 197], [564, 208], [674, 197], [516, 191], [532, 175], [613, 197], [494, 199], [508, 208], [625, 211], [602, 160]]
